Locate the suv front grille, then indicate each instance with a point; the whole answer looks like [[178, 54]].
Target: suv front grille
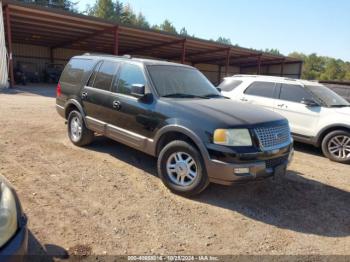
[[273, 137]]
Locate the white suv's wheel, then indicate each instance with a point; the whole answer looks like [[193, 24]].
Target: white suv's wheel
[[336, 146]]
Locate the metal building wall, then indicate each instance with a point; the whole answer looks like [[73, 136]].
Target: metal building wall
[[41, 56], [289, 70], [3, 53]]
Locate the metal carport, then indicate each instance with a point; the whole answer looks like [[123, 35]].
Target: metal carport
[[43, 34]]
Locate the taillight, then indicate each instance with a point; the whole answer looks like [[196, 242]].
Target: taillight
[[58, 90]]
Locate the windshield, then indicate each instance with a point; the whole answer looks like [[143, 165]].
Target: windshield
[[177, 81], [327, 96]]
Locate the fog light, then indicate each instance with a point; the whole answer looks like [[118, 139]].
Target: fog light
[[241, 170]]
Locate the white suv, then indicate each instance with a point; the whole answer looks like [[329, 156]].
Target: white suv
[[316, 115]]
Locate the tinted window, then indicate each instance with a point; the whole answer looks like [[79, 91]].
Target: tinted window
[[229, 85], [93, 75], [105, 75], [75, 70], [179, 81], [130, 74], [327, 96], [264, 89], [294, 93]]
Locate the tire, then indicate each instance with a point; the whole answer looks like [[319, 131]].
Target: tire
[[78, 133], [181, 168], [336, 146]]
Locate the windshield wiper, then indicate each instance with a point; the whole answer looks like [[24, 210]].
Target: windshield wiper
[[213, 95], [339, 105], [181, 95]]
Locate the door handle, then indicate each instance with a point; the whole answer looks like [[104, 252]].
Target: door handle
[[116, 105], [244, 99], [84, 95]]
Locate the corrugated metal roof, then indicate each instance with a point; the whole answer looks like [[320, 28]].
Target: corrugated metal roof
[[35, 25]]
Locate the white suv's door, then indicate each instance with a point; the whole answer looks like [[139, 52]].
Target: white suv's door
[[260, 93], [302, 119]]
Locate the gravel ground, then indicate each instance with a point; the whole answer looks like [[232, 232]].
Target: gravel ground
[[107, 199]]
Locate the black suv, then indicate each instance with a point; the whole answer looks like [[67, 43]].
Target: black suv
[[173, 112]]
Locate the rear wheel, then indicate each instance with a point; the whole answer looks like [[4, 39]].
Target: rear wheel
[[336, 146], [78, 133], [181, 168]]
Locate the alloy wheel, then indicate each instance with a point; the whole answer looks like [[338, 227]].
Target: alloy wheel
[[181, 169], [339, 146], [76, 128]]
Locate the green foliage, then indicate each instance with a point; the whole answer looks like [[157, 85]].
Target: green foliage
[[323, 68], [223, 40], [128, 16], [104, 9], [66, 5], [167, 26], [141, 21], [183, 32], [272, 51]]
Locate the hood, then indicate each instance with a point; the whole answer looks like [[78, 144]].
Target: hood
[[228, 111], [343, 110]]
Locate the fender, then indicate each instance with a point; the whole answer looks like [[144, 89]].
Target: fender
[[77, 104], [184, 130], [332, 127]]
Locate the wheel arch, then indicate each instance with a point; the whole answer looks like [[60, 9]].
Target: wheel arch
[[73, 104], [175, 132], [326, 130]]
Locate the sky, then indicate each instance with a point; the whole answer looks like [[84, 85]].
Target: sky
[[309, 26]]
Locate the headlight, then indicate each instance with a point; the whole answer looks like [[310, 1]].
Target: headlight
[[232, 137], [8, 212]]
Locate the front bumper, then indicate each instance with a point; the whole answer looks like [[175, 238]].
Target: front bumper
[[16, 248], [259, 165]]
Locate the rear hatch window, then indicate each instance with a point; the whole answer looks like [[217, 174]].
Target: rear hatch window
[[229, 85], [75, 70]]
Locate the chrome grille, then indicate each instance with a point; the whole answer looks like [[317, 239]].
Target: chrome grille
[[273, 137]]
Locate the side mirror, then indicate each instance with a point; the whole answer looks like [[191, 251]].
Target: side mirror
[[309, 102], [138, 90]]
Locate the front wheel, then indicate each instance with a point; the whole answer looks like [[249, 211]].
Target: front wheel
[[336, 146], [78, 133], [181, 168]]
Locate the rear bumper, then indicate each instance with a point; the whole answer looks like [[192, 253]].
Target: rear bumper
[[17, 247], [265, 165], [60, 110]]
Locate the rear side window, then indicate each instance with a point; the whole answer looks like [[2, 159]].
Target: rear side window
[[263, 89], [229, 85], [130, 75], [104, 76], [294, 93], [75, 70]]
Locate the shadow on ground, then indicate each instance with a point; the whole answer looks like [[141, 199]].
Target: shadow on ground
[[46, 90], [294, 203], [309, 149], [47, 252]]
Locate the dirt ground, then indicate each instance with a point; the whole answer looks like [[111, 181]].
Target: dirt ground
[[107, 199]]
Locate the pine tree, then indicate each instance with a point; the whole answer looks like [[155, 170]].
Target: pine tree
[[183, 32], [104, 9], [223, 40], [167, 26], [59, 4], [128, 17], [141, 21]]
